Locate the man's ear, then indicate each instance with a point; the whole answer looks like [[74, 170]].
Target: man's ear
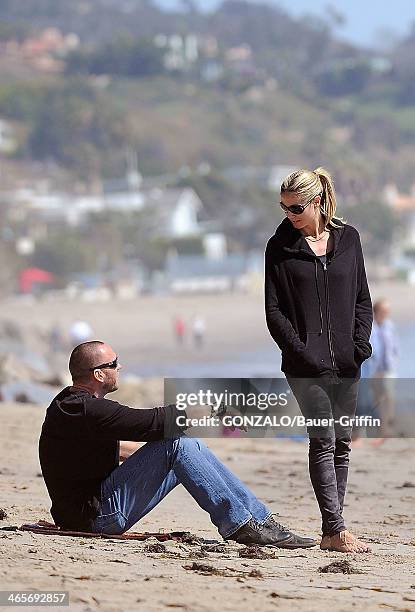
[[99, 376]]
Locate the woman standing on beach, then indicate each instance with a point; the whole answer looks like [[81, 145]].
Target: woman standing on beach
[[319, 312]]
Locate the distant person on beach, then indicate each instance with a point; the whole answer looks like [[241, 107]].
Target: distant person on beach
[[319, 312], [365, 403], [179, 329], [376, 390], [80, 451], [199, 331], [384, 363], [56, 339]]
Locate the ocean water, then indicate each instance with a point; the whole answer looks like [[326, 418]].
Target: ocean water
[[265, 363]]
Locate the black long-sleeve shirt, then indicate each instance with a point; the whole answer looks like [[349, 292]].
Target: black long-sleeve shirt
[[79, 448]]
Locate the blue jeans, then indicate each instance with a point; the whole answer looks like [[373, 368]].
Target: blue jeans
[[149, 474]]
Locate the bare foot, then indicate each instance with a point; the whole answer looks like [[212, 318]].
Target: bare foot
[[348, 543], [325, 543]]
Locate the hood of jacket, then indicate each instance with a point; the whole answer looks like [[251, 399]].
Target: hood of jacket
[[291, 240], [67, 411]]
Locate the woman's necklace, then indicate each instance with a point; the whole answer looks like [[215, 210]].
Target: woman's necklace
[[311, 239]]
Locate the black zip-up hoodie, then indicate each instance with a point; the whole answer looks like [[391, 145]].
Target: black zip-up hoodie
[[319, 315], [79, 448]]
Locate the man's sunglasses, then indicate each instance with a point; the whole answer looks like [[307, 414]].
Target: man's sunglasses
[[298, 209], [111, 365]]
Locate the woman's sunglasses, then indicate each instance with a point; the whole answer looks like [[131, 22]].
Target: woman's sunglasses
[[298, 209]]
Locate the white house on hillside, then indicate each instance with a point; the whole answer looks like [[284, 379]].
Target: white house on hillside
[[175, 211]]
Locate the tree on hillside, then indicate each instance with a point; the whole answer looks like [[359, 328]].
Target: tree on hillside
[[64, 254], [378, 221], [11, 31], [78, 128], [344, 78], [124, 57]]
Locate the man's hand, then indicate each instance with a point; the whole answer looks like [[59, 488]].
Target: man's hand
[[196, 412], [231, 412], [223, 411], [128, 448]]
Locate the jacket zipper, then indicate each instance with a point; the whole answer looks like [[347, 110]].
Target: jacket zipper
[[326, 286]]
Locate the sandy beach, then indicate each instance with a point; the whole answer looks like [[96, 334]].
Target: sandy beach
[[119, 575], [122, 575], [141, 330]]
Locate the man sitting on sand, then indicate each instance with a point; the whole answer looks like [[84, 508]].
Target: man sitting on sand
[[79, 452]]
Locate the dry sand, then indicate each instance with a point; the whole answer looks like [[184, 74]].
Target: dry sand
[[121, 575]]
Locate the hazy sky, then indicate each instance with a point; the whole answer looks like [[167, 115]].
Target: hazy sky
[[363, 19]]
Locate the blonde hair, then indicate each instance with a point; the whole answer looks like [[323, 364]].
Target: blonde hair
[[311, 183]]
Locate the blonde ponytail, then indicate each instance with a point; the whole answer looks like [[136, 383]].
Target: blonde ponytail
[[329, 203]]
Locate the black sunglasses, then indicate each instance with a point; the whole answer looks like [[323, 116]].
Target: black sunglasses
[[111, 365], [298, 209]]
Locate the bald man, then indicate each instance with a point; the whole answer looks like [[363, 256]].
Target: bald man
[[79, 451]]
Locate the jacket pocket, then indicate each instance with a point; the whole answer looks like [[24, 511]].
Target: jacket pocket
[[363, 350], [344, 350], [318, 350]]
